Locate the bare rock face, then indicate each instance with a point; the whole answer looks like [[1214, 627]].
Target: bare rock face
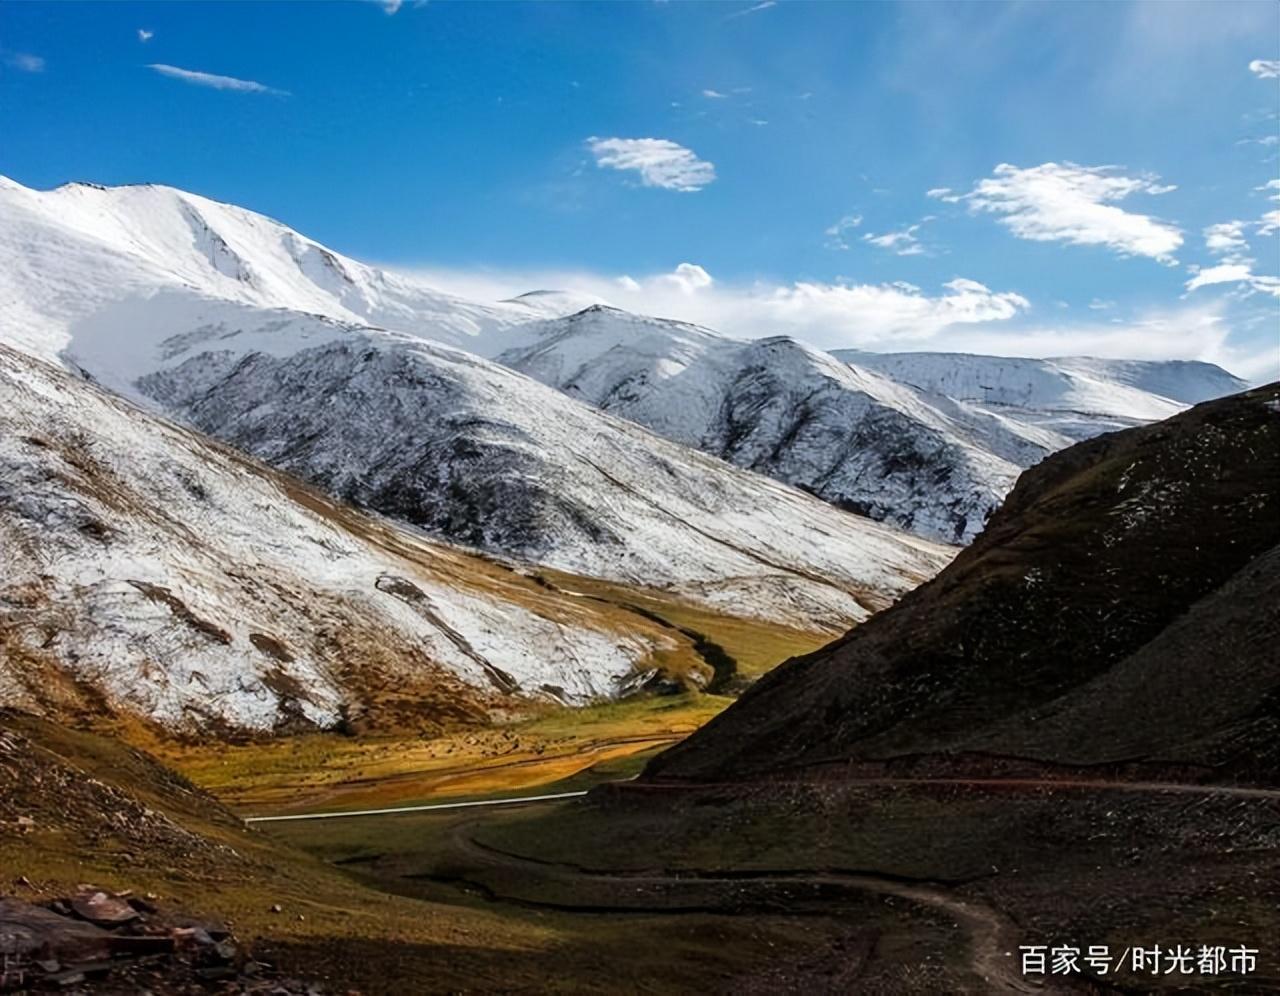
[[1129, 587]]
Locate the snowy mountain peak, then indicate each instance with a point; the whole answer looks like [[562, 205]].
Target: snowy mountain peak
[[929, 442], [1124, 392], [70, 250], [133, 284]]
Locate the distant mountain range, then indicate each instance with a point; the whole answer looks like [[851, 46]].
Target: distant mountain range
[[928, 442], [131, 281], [761, 479]]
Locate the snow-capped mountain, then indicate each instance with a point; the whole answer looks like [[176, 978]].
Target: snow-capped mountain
[[72, 250], [1076, 396], [930, 443], [163, 297], [153, 571], [148, 287]]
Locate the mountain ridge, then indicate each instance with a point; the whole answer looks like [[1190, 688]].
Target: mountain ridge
[[154, 573], [875, 436], [481, 455], [1092, 598]]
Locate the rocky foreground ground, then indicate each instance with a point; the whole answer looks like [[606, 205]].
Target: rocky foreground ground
[[100, 941]]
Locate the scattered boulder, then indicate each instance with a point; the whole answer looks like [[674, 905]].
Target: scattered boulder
[[117, 942], [103, 909]]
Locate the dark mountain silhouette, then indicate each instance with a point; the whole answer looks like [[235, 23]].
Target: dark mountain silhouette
[[1121, 610]]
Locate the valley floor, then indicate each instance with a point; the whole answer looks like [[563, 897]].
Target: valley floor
[[839, 886], [846, 883]]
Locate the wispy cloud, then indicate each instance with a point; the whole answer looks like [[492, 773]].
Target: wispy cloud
[[390, 7], [714, 94], [901, 243], [1270, 222], [1266, 69], [1228, 240], [214, 81], [1235, 272], [145, 36], [836, 234], [24, 61], [659, 161], [1226, 237], [753, 9], [1074, 204]]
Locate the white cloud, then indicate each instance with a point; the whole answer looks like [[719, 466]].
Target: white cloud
[[1227, 240], [214, 81], [686, 278], [865, 314], [1069, 203], [1239, 271], [903, 243], [145, 36], [828, 315], [763, 5], [24, 61], [1226, 237], [1269, 223], [961, 316], [714, 94], [1223, 273], [659, 161], [836, 233], [1266, 69], [1189, 332]]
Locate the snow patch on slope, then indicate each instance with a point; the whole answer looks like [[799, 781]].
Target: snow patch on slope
[[187, 585]]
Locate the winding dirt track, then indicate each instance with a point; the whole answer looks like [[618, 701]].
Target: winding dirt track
[[992, 936]]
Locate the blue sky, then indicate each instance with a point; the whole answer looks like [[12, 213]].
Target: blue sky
[[792, 148]]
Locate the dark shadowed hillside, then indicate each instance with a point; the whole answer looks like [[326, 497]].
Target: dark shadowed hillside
[[1121, 609]]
